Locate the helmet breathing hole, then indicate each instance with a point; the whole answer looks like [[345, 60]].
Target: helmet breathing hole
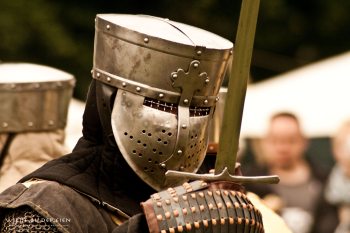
[[192, 155], [125, 133], [146, 168], [191, 146], [189, 165], [144, 145], [191, 137], [152, 171], [189, 157], [131, 137], [159, 140], [165, 143], [149, 135], [140, 154], [185, 166], [143, 131], [134, 151], [138, 141], [163, 131], [150, 160], [169, 134], [154, 150], [196, 135], [195, 144], [160, 153], [155, 162]]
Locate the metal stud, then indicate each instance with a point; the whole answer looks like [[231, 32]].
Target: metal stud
[[37, 85], [108, 79], [174, 76], [207, 81], [13, 85], [146, 40], [231, 52], [51, 122], [30, 124], [5, 124], [166, 19], [138, 89], [181, 168], [162, 165], [205, 102], [199, 53], [108, 27], [161, 95], [179, 152], [217, 99], [185, 101], [98, 75], [184, 126], [92, 71], [124, 84], [59, 84], [195, 65]]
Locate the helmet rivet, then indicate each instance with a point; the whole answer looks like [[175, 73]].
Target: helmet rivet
[[161, 95], [207, 81], [13, 85], [195, 65], [108, 27], [50, 122], [146, 40], [185, 101], [98, 75], [205, 102], [59, 84], [199, 53], [217, 99], [162, 165], [231, 52], [108, 79], [37, 85], [92, 71], [138, 89], [166, 19], [30, 124], [184, 126], [174, 76], [179, 152], [124, 84], [181, 168], [4, 124]]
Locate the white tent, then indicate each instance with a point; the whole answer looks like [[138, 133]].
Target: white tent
[[319, 94]]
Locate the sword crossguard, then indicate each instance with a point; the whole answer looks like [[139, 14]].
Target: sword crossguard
[[224, 176]]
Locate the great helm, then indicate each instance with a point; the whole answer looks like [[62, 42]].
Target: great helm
[[33, 97], [157, 87]]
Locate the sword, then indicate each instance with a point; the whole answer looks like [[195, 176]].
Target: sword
[[233, 111]]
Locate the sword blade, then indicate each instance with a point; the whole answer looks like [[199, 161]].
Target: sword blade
[[232, 118]]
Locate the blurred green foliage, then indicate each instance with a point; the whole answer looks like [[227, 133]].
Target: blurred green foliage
[[60, 33]]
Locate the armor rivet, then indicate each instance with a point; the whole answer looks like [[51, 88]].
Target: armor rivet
[[108, 27], [92, 71], [37, 85], [199, 53], [108, 79], [185, 101], [146, 40], [231, 52], [162, 165], [174, 76], [30, 124], [161, 95], [59, 84], [138, 89], [179, 152], [98, 75], [124, 84], [4, 124], [50, 122], [205, 102], [217, 99], [184, 126], [195, 65], [13, 86], [207, 81], [166, 19], [181, 168]]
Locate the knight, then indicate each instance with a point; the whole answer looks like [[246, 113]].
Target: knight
[[154, 89]]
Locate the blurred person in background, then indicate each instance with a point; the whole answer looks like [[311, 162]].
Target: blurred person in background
[[33, 113], [299, 195], [337, 190]]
